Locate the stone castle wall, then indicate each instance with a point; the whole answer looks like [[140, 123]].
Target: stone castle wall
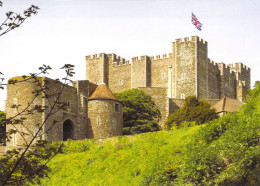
[[184, 69], [160, 69], [184, 72], [120, 73], [161, 100], [71, 121], [104, 120], [22, 94]]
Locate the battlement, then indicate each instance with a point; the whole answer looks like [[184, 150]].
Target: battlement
[[117, 60], [238, 66], [95, 56], [160, 57], [139, 58], [192, 38], [212, 62], [224, 67]]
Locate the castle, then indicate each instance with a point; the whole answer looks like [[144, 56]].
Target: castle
[[94, 112], [170, 78]]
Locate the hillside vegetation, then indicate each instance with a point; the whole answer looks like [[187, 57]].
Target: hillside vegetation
[[225, 151]]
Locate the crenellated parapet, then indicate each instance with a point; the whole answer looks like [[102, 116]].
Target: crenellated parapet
[[242, 72], [113, 58], [161, 57], [95, 56], [117, 61], [238, 67], [212, 63], [191, 39]]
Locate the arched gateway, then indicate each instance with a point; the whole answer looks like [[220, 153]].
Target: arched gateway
[[67, 130]]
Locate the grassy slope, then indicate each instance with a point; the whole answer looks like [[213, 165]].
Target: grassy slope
[[118, 161], [223, 152]]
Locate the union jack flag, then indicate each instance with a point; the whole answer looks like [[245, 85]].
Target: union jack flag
[[196, 22]]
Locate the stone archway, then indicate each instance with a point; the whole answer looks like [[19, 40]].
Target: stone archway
[[67, 130]]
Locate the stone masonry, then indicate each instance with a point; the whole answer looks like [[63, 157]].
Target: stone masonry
[[94, 112], [76, 121], [184, 72]]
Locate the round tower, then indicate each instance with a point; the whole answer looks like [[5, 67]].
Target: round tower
[[105, 114]]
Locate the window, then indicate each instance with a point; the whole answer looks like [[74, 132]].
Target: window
[[55, 98], [183, 75], [35, 101], [114, 123], [116, 107], [182, 96], [98, 121], [163, 75], [120, 82]]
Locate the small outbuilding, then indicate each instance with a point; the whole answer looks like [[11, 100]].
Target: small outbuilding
[[227, 104]]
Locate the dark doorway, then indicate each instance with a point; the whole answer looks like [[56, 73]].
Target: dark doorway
[[67, 130]]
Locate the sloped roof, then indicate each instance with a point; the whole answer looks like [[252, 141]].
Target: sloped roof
[[228, 104], [102, 92]]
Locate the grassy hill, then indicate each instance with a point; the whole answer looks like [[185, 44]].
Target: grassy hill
[[118, 161], [224, 152]]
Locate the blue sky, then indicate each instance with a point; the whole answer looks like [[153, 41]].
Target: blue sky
[[65, 31]]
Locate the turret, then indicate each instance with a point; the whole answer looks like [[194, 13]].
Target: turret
[[105, 114]]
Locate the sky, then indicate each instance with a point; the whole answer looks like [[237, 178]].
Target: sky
[[65, 31]]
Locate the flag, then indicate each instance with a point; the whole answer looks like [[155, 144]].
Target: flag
[[196, 22]]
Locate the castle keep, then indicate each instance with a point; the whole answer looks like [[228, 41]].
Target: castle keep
[[94, 112], [170, 78]]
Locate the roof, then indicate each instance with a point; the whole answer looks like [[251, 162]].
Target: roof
[[103, 92], [228, 104]]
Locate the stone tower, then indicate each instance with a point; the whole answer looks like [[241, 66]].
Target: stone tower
[[91, 111], [105, 116], [186, 71]]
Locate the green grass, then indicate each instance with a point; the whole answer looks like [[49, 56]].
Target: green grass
[[123, 160], [225, 151]]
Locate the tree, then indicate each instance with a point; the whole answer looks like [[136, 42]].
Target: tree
[[14, 20], [192, 111], [139, 112], [29, 163], [2, 128]]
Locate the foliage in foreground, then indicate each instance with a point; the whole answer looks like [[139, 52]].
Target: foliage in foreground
[[139, 112], [126, 160], [193, 110], [222, 152], [27, 163], [2, 127], [225, 152]]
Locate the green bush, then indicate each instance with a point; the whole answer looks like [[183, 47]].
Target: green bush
[[139, 112], [193, 110], [225, 152]]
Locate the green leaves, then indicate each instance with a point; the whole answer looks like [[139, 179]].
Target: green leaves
[[139, 112], [193, 110]]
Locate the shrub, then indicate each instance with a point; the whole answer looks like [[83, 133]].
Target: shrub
[[193, 110], [139, 112]]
